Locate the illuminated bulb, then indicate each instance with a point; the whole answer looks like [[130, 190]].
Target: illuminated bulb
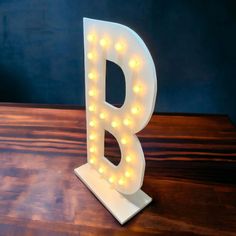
[[91, 56], [127, 174], [103, 42], [124, 141], [114, 124], [133, 63], [101, 170], [137, 88], [135, 110], [92, 161], [111, 179], [92, 76], [91, 38], [128, 158], [92, 136], [102, 115], [119, 47], [92, 149], [121, 181], [91, 108], [126, 121], [92, 93], [92, 123]]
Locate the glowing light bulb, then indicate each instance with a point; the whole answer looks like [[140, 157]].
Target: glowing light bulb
[[92, 149], [121, 181], [114, 124], [91, 56], [128, 158], [134, 63], [111, 179], [127, 174], [126, 121], [92, 123], [124, 141], [137, 88], [92, 108], [119, 47], [104, 42], [92, 76], [135, 110], [92, 136], [92, 93], [102, 115], [91, 38], [101, 170], [92, 160]]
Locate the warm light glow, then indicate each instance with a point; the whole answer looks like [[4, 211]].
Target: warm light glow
[[91, 56], [101, 170], [91, 38], [134, 63], [121, 181], [92, 108], [126, 121], [127, 174], [135, 110], [128, 158], [92, 123], [92, 76], [92, 93], [114, 124], [111, 179], [92, 149], [137, 88], [92, 160], [92, 136], [119, 47], [104, 42], [124, 140], [102, 115]]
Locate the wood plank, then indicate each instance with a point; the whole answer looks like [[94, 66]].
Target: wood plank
[[191, 168]]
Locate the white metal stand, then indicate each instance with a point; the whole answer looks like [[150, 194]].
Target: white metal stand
[[122, 207]]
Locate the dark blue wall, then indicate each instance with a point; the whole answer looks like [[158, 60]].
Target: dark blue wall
[[193, 44]]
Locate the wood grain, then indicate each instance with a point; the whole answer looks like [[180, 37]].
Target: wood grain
[[191, 174]]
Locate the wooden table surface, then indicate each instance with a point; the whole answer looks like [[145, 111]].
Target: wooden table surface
[[190, 173]]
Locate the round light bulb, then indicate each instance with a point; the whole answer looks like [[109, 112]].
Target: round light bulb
[[111, 179], [137, 88], [102, 115], [91, 160], [126, 121], [124, 140], [128, 158], [134, 63], [92, 76], [135, 110], [104, 42], [92, 93], [91, 38], [92, 136], [92, 108], [114, 124], [101, 170], [121, 181], [127, 174], [91, 56], [92, 123], [92, 149], [119, 47]]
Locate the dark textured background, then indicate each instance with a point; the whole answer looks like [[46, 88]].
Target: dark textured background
[[193, 44]]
